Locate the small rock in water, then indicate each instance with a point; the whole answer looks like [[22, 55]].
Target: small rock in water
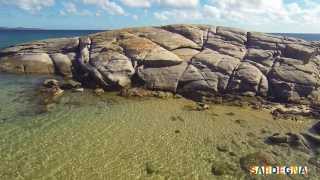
[[278, 139], [49, 83], [71, 84], [202, 107], [178, 96], [173, 118], [230, 114], [297, 141], [162, 94], [99, 91], [222, 148], [150, 168], [51, 92], [240, 121], [134, 92]]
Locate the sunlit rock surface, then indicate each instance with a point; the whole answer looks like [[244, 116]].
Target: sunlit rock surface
[[179, 58]]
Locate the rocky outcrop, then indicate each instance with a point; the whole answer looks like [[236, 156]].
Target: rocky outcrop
[[186, 59]]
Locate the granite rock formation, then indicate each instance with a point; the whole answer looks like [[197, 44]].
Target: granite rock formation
[[185, 59]]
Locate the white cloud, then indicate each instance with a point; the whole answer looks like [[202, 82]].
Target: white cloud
[[263, 11], [109, 6], [29, 5], [247, 10], [69, 8], [164, 3], [178, 15], [179, 3], [137, 3]]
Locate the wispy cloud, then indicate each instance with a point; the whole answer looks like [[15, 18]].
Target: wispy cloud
[[109, 6], [29, 5]]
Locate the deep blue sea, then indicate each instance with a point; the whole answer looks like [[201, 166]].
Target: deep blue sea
[[308, 37], [12, 37]]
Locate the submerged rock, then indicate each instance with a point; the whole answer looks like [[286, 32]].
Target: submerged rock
[[99, 91], [70, 84], [297, 141], [222, 168], [193, 60], [256, 159]]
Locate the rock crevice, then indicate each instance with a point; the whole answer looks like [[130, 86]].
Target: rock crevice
[[188, 59]]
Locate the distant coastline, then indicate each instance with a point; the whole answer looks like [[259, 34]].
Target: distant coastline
[[19, 28], [13, 36], [43, 29]]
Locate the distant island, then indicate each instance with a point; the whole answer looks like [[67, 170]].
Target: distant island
[[19, 28]]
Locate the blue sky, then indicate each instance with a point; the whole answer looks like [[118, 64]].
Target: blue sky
[[255, 15]]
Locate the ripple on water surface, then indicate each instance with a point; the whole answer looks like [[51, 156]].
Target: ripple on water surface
[[109, 137]]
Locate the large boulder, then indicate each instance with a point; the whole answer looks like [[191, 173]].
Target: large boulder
[[291, 79], [63, 64], [37, 63], [216, 61], [249, 79], [301, 52], [262, 59], [294, 71], [162, 78], [116, 68]]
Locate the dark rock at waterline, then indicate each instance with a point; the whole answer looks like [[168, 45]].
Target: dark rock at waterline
[[297, 141], [202, 106], [99, 91], [49, 83], [193, 60], [316, 128], [70, 84], [313, 139]]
